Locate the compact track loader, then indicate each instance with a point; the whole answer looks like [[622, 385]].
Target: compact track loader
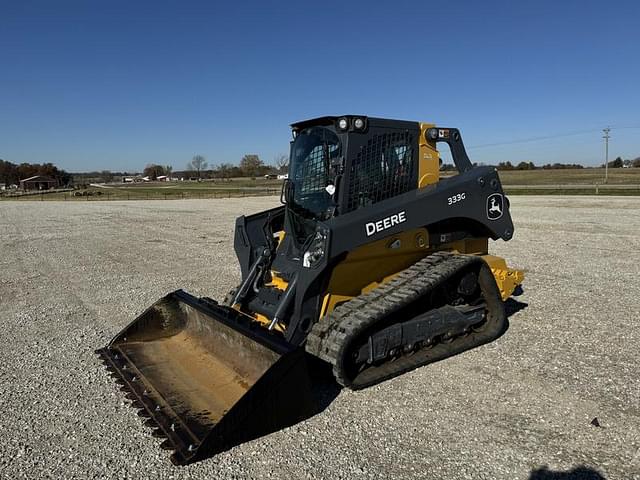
[[374, 263]]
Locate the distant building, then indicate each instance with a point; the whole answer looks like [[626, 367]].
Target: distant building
[[38, 182], [136, 179]]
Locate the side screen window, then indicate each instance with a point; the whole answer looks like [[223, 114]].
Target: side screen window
[[312, 172], [382, 169], [311, 155]]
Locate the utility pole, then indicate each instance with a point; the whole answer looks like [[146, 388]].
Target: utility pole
[[606, 153]]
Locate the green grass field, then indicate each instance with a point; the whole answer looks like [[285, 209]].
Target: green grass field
[[586, 176], [621, 181], [239, 187]]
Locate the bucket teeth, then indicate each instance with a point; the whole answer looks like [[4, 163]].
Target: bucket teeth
[[119, 372], [236, 372]]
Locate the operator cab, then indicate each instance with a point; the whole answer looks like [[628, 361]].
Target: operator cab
[[340, 164]]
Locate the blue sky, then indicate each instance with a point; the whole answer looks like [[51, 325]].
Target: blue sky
[[116, 85]]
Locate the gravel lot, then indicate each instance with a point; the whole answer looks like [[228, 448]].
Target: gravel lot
[[73, 274]]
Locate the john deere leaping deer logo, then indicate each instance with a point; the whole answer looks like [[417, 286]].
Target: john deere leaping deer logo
[[495, 206]]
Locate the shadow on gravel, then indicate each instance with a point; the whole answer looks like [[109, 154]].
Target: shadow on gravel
[[578, 473], [512, 306], [324, 388]]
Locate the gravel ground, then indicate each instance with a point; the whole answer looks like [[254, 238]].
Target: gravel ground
[[73, 274]]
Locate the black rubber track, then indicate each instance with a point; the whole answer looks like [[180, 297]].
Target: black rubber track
[[332, 339]]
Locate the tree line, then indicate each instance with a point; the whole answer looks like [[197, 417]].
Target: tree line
[[520, 166], [619, 163], [11, 173], [250, 166], [532, 166]]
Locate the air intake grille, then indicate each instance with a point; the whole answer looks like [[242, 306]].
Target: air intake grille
[[382, 169]]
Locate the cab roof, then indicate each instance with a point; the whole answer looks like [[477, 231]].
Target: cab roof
[[372, 121]]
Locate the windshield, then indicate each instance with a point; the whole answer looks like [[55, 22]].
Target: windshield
[[310, 172]]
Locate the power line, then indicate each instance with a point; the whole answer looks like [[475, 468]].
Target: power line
[[547, 137]]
